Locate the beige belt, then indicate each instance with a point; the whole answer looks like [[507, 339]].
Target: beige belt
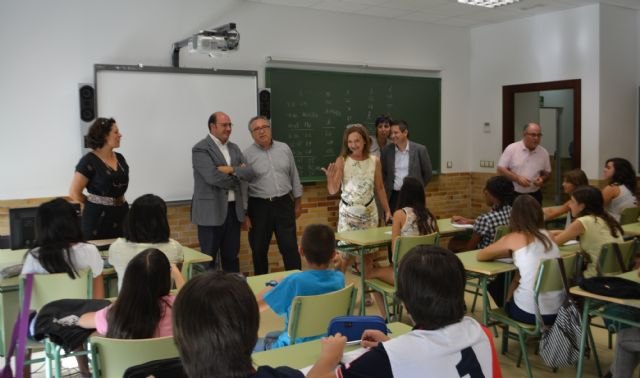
[[105, 201]]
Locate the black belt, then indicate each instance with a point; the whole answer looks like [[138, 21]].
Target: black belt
[[351, 204], [274, 199]]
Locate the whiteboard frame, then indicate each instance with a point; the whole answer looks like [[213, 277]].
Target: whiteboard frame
[[238, 127]]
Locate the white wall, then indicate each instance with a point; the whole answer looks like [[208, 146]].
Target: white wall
[[555, 46], [50, 47], [618, 89]]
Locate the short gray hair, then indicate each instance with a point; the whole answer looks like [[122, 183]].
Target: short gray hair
[[252, 120]]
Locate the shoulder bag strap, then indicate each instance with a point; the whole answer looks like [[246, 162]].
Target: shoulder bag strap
[[616, 250], [563, 274]]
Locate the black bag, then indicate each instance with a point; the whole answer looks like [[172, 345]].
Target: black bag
[[612, 287], [560, 343], [166, 368]]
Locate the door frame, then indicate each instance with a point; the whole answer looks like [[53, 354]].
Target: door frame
[[508, 110]]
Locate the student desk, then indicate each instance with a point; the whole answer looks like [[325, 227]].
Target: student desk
[[632, 229], [360, 242], [596, 300], [484, 270], [9, 287], [302, 355], [257, 283]]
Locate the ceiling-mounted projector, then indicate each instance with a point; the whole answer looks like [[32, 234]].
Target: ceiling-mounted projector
[[223, 38]]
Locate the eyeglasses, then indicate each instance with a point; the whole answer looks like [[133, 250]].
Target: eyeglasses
[[265, 127], [539, 135]]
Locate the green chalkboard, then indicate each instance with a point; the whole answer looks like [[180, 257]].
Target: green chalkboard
[[310, 109]]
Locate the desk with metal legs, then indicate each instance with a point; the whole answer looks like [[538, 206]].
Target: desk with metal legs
[[591, 299]]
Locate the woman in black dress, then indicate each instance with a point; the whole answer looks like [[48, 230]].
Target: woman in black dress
[[105, 175]]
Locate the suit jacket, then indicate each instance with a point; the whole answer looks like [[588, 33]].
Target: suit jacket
[[211, 187], [419, 164]]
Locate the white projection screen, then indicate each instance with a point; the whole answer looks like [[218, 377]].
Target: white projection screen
[[162, 112]]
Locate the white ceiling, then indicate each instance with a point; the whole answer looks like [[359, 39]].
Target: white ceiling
[[446, 12]]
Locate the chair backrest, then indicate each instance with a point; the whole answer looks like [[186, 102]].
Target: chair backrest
[[549, 277], [114, 356], [608, 261], [51, 287], [629, 215], [310, 315], [405, 243], [501, 231]]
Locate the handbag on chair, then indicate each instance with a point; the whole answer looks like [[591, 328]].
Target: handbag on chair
[[560, 343], [19, 335]]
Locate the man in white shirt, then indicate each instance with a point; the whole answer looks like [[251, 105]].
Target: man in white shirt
[[526, 163], [218, 204]]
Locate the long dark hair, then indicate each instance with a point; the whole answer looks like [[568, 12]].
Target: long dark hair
[[146, 221], [623, 174], [431, 284], [57, 230], [215, 326], [527, 217], [412, 195], [138, 309], [591, 198], [502, 189]]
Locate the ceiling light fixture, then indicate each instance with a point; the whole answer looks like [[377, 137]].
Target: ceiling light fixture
[[488, 3]]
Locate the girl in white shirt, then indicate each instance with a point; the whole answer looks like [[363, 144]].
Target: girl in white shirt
[[620, 193], [529, 244]]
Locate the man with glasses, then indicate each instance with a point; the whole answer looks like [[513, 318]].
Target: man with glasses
[[217, 206], [274, 198], [526, 163]]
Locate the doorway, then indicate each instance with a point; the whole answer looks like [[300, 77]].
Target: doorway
[[556, 107]]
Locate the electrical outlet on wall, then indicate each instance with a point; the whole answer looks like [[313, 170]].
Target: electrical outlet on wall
[[490, 163], [449, 164]]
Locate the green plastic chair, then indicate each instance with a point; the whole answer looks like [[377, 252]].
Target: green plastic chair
[[48, 288], [310, 315], [388, 291], [608, 262], [629, 215], [548, 279], [111, 357]]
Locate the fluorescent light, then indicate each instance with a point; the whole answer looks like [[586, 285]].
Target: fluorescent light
[[488, 3]]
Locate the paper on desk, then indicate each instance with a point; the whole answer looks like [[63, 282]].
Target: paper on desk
[[506, 260], [570, 242], [388, 232], [346, 358], [460, 225]]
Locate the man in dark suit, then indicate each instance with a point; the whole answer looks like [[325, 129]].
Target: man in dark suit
[[219, 197], [400, 159]]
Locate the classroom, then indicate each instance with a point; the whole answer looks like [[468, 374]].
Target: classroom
[[51, 49]]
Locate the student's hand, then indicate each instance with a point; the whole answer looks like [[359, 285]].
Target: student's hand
[[539, 181], [372, 337], [388, 218], [333, 348], [461, 220]]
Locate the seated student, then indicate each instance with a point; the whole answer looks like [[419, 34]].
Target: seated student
[[215, 322], [529, 244], [593, 225], [59, 248], [620, 192], [318, 248], [443, 343], [627, 353], [411, 219], [571, 180], [144, 306], [145, 226], [499, 195]]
